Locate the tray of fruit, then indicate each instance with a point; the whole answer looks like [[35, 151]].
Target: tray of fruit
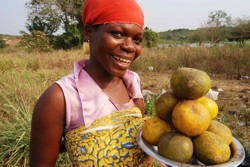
[[237, 157], [185, 130]]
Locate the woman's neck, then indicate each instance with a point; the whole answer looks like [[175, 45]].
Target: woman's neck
[[112, 86], [99, 75]]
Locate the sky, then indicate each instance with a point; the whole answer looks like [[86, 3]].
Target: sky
[[160, 15]]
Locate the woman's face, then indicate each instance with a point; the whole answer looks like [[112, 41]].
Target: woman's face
[[115, 46]]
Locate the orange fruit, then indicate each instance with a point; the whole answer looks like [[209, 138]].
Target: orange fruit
[[165, 104], [221, 130], [211, 149], [190, 83], [190, 118], [153, 129], [176, 146], [210, 105]]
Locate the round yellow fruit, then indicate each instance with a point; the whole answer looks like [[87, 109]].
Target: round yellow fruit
[[153, 129], [211, 149], [221, 130], [210, 105], [165, 104], [190, 118], [190, 83], [176, 146]]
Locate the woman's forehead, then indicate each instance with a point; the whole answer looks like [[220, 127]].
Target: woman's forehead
[[122, 27]]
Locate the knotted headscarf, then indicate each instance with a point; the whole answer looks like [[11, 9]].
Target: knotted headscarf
[[112, 11]]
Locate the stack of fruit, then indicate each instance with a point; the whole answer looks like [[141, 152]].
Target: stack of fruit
[[185, 124]]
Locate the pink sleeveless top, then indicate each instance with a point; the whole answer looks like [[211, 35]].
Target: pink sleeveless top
[[85, 100]]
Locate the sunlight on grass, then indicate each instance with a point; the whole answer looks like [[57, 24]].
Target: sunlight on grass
[[24, 76]]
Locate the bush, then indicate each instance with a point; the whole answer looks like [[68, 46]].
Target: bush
[[151, 38], [2, 43], [36, 41]]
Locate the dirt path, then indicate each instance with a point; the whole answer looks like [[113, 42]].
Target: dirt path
[[157, 81]]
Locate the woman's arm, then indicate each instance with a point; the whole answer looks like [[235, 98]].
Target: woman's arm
[[140, 104], [47, 128]]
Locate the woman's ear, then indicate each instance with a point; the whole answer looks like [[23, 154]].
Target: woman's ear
[[87, 32]]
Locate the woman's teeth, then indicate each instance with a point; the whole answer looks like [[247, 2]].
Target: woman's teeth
[[121, 59]]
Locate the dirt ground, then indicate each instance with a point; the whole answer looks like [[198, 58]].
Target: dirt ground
[[13, 42], [157, 81]]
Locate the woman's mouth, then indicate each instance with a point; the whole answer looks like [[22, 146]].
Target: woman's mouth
[[121, 60]]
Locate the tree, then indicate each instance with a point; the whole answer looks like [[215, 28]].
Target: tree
[[216, 26], [69, 39], [49, 16], [199, 36], [241, 30], [43, 17], [150, 38]]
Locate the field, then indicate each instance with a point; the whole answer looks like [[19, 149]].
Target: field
[[24, 76]]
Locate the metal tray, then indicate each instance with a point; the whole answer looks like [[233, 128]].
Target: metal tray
[[237, 157]]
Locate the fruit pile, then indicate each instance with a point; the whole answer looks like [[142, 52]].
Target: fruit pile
[[185, 124]]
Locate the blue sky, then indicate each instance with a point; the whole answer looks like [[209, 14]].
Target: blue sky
[[160, 15]]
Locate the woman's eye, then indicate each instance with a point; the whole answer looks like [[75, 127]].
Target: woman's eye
[[117, 34], [138, 41]]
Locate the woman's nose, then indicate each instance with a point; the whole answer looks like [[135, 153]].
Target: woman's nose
[[128, 45]]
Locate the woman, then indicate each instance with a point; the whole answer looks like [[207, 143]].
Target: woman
[[101, 98]]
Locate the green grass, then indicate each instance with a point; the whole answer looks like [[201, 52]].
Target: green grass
[[15, 130]]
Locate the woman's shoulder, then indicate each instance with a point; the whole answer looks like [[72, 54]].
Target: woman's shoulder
[[52, 94], [131, 75], [50, 106]]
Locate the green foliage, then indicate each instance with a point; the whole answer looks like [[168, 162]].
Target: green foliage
[[71, 38], [14, 130], [2, 43], [50, 16], [241, 31], [43, 17], [176, 35], [219, 27], [36, 41], [199, 36], [150, 38], [150, 106]]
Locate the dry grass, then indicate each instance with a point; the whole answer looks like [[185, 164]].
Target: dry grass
[[230, 61]]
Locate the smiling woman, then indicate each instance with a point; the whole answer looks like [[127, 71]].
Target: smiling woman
[[99, 107], [114, 46]]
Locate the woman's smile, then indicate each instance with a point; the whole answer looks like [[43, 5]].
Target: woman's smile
[[121, 61]]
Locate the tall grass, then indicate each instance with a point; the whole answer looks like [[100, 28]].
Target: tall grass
[[231, 61], [24, 76], [15, 130]]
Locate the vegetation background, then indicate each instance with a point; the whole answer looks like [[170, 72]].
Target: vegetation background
[[25, 75], [31, 62]]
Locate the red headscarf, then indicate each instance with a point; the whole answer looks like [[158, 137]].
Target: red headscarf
[[112, 11]]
